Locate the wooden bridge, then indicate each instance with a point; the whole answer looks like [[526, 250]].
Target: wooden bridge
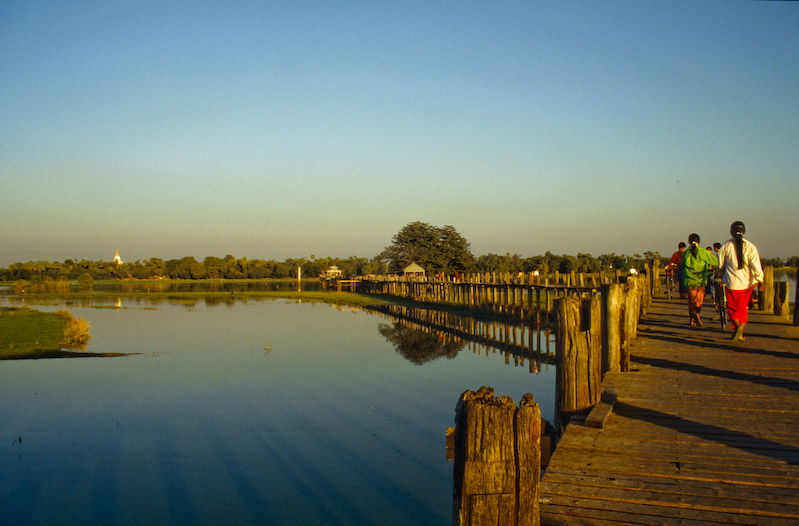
[[524, 297], [702, 431]]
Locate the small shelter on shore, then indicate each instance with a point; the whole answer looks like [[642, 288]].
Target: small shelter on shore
[[412, 269], [332, 272]]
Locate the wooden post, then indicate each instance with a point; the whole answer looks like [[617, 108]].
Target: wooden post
[[655, 277], [578, 354], [796, 299], [781, 295], [632, 310], [497, 452], [767, 305], [611, 322]]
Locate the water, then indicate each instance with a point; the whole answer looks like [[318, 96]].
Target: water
[[208, 286], [790, 277], [264, 412]]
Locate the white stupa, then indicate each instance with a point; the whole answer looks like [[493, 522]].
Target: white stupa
[[117, 259]]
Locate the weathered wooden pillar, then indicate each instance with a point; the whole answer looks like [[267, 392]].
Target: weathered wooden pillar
[[781, 299], [612, 305], [646, 289], [632, 311], [497, 452], [796, 299], [767, 305], [655, 277], [578, 354], [537, 306], [547, 301]]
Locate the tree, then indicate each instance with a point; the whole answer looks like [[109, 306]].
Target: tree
[[215, 268], [182, 268], [85, 281], [434, 249]]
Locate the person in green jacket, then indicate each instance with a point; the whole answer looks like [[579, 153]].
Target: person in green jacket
[[696, 263]]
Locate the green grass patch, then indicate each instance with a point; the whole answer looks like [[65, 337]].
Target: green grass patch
[[27, 332]]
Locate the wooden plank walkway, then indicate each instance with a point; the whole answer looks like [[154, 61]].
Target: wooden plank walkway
[[703, 431]]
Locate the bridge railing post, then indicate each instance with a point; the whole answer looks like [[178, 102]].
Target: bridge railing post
[[578, 376]]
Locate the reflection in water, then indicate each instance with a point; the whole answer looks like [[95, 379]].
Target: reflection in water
[[422, 335], [208, 286], [420, 346]]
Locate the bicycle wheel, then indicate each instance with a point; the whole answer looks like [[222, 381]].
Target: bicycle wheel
[[720, 302]]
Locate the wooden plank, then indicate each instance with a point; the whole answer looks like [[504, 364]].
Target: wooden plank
[[672, 512], [681, 499], [598, 512], [673, 465], [699, 488], [601, 412], [759, 450]]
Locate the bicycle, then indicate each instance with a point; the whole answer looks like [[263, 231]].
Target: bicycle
[[720, 300]]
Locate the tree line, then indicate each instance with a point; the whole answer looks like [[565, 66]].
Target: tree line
[[228, 267], [439, 250]]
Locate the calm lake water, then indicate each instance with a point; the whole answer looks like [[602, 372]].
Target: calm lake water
[[258, 412]]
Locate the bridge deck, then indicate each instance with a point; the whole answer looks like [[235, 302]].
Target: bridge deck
[[703, 432]]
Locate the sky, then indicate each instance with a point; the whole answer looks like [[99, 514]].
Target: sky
[[275, 130]]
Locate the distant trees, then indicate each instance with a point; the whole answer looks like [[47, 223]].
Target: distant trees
[[187, 267], [434, 249]]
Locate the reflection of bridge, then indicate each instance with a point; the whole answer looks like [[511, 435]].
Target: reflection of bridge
[[517, 341], [341, 284]]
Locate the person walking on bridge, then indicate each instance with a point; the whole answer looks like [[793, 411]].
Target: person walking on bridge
[[740, 267], [674, 265], [694, 268]]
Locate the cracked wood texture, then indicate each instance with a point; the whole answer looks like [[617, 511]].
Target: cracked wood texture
[[497, 460]]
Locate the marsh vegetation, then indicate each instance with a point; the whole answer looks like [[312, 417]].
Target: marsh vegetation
[[29, 332]]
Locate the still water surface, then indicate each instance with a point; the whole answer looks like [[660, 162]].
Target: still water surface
[[264, 412]]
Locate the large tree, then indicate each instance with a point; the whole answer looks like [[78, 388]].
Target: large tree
[[434, 249]]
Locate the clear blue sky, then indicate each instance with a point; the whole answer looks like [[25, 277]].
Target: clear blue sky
[[283, 129]]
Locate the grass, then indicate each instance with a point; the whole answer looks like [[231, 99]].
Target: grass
[[27, 332]]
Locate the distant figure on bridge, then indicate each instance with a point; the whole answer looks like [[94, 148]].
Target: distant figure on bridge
[[673, 268], [696, 262], [740, 271]]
